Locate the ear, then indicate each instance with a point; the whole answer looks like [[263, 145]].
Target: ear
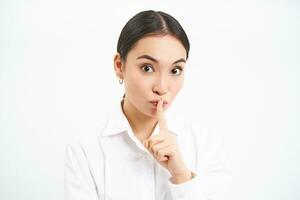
[[118, 65]]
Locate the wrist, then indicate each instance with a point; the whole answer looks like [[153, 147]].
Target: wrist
[[181, 178]]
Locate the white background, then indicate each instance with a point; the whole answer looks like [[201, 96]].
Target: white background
[[242, 81]]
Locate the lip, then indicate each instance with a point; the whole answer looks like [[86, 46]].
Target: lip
[[154, 102]]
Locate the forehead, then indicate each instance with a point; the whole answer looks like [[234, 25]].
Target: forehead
[[165, 47]]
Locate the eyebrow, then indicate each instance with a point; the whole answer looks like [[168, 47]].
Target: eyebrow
[[154, 60]]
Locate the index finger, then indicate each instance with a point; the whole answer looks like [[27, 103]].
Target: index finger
[[162, 122]]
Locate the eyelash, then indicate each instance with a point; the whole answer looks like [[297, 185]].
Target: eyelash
[[177, 67]]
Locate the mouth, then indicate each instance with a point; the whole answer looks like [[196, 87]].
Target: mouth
[[155, 102]]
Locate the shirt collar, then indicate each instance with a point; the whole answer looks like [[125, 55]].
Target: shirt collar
[[117, 123]]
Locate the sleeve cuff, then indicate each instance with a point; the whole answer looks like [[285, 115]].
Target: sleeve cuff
[[187, 189]]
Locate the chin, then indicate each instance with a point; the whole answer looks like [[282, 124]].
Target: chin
[[149, 112]]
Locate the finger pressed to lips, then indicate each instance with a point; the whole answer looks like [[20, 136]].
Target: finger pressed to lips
[[163, 129], [161, 117]]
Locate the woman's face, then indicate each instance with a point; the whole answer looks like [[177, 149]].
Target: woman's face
[[153, 70]]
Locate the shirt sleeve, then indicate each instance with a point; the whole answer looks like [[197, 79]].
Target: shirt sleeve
[[212, 179], [78, 182]]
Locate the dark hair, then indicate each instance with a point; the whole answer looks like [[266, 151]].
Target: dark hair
[[148, 23]]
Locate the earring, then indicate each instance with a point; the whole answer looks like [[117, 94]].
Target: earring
[[121, 81]]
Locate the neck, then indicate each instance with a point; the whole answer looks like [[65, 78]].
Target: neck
[[141, 124]]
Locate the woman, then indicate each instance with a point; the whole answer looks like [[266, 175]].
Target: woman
[[140, 153]]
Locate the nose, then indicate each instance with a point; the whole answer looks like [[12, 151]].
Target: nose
[[161, 86]]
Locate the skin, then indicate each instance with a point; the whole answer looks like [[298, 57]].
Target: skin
[[146, 80]]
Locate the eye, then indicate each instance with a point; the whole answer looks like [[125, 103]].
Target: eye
[[147, 67], [177, 70]]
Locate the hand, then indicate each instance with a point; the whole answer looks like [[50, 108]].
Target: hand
[[165, 150]]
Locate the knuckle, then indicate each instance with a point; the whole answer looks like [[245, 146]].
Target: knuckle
[[154, 149], [151, 143], [160, 152]]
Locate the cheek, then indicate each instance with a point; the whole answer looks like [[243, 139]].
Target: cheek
[[139, 88], [137, 85], [176, 87]]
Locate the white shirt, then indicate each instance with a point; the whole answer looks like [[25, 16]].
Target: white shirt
[[114, 165]]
